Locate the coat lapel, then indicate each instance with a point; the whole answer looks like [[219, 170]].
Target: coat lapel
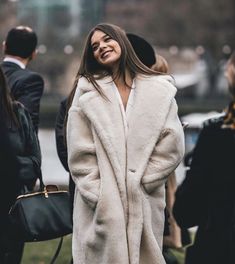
[[153, 98], [105, 115]]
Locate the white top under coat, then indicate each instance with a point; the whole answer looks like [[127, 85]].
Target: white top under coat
[[129, 106]]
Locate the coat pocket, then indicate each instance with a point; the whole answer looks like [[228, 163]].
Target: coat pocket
[[151, 186], [89, 191]]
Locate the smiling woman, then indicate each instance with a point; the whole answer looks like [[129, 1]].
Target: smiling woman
[[124, 138]]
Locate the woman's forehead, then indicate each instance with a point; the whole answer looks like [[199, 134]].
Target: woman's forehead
[[98, 34]]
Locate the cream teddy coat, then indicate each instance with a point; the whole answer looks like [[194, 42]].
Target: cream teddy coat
[[120, 192]]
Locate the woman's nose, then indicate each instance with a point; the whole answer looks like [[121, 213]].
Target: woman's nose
[[102, 45]]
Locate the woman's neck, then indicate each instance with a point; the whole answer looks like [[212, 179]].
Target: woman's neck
[[123, 84], [124, 87]]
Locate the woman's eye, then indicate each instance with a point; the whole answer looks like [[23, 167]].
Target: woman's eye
[[94, 48], [107, 39]]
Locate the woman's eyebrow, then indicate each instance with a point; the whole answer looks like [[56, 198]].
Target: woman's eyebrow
[[93, 44], [104, 36]]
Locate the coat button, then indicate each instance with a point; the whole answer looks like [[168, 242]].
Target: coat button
[[132, 170]]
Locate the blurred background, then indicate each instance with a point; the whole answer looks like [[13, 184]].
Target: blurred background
[[195, 36]]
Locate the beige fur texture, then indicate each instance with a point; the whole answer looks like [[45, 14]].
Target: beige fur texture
[[120, 183]]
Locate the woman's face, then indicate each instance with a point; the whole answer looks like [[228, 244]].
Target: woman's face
[[106, 50]]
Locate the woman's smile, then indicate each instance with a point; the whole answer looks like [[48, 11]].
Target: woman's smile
[[105, 54]]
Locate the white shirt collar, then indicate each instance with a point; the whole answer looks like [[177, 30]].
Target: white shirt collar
[[13, 60]]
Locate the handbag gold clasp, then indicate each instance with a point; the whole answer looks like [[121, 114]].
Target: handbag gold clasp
[[45, 192]]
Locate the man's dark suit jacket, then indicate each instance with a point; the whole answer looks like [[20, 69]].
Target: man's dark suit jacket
[[26, 87]]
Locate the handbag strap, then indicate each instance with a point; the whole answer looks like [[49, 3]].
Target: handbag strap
[[57, 251]]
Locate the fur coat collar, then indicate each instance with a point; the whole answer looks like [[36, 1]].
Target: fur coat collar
[[145, 122]]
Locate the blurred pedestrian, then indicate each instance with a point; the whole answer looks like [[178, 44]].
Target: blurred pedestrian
[[174, 237], [18, 147], [206, 197], [61, 145], [26, 86], [161, 65], [124, 138]]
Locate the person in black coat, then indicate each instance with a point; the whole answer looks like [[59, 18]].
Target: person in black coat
[[206, 197], [26, 86], [19, 149], [61, 147]]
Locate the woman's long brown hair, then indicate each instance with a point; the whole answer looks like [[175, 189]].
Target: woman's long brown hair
[[6, 102]]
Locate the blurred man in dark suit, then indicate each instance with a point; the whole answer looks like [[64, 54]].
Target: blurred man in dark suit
[[26, 86]]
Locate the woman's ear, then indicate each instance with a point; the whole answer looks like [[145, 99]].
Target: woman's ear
[[34, 54]]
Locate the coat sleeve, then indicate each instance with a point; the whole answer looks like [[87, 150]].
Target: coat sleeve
[[29, 93], [167, 153], [82, 159], [9, 169], [30, 160], [59, 135]]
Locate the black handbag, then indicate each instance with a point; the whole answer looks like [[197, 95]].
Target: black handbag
[[41, 215]]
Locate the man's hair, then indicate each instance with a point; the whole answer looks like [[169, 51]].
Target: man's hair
[[21, 41]]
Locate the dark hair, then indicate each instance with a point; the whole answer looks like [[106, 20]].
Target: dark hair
[[21, 41], [6, 102]]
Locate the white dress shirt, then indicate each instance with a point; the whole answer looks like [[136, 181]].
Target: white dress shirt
[[13, 60]]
